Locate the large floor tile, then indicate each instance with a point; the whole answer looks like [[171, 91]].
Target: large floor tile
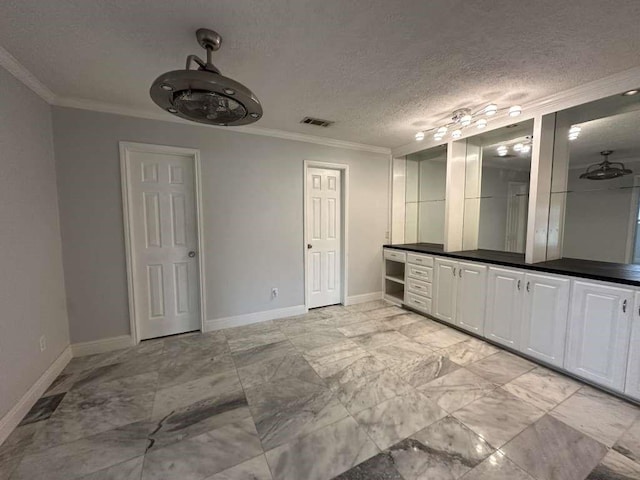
[[542, 388], [388, 311], [349, 369], [323, 454], [365, 328], [501, 368], [380, 467], [254, 469], [615, 467], [442, 338], [497, 467], [290, 408], [186, 368], [238, 344], [456, 389], [367, 306], [397, 418], [551, 450], [629, 443], [369, 390], [289, 366], [469, 351], [43, 409], [173, 398], [129, 470], [420, 328], [263, 353], [318, 357], [402, 353], [425, 370], [312, 341], [204, 455], [98, 408], [597, 414], [378, 339], [14, 447], [88, 455], [498, 416], [445, 450]]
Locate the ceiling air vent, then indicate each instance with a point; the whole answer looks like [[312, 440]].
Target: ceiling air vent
[[318, 122]]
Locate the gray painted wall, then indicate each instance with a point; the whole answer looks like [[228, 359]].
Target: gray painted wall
[[31, 278], [253, 218]]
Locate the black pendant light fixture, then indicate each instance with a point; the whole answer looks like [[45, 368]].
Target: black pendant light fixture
[[606, 170], [203, 95]]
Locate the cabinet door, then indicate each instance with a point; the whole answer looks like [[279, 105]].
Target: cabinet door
[[599, 328], [444, 290], [544, 320], [504, 306], [471, 296], [632, 387]]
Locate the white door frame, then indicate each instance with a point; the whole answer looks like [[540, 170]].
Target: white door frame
[[344, 201], [125, 150], [633, 220]]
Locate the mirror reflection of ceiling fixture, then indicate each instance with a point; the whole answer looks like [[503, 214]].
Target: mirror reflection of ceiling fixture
[[466, 117], [203, 95], [523, 147], [606, 170], [574, 132]]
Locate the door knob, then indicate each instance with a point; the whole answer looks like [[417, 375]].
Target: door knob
[[309, 246], [192, 254]]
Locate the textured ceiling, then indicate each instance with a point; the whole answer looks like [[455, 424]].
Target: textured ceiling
[[380, 69]]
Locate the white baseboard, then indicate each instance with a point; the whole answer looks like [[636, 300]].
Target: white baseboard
[[20, 409], [248, 318], [364, 298], [101, 346]]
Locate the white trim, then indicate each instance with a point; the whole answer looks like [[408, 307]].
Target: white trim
[[344, 168], [15, 68], [101, 346], [588, 92], [125, 149], [633, 221], [363, 298], [253, 130], [256, 317], [28, 400]]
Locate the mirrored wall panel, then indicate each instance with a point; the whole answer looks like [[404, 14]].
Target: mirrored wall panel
[[426, 174], [594, 211], [497, 171]]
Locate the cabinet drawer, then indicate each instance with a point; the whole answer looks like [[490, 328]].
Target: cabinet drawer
[[419, 303], [421, 273], [395, 255], [420, 259], [419, 287]]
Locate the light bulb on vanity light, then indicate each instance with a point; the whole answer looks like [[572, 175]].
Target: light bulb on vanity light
[[466, 120], [481, 123], [515, 111], [491, 109], [456, 133], [518, 146], [420, 136], [502, 150], [525, 149], [438, 136]]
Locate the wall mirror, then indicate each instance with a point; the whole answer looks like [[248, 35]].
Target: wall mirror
[[594, 213], [426, 174], [497, 171]]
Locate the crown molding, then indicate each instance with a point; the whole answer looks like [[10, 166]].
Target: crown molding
[[165, 117], [15, 68], [603, 87]]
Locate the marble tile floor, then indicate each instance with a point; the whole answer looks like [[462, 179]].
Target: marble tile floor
[[365, 392]]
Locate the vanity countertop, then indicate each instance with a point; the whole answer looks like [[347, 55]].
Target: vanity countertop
[[603, 271]]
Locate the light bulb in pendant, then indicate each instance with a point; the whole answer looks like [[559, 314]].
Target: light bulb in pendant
[[491, 109], [515, 111], [456, 133], [442, 131], [482, 123], [420, 136], [465, 120], [517, 147]]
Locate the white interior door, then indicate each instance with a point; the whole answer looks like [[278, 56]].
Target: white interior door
[[164, 240], [324, 237]]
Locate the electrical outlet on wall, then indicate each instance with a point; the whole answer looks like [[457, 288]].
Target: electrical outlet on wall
[[43, 343], [274, 293]]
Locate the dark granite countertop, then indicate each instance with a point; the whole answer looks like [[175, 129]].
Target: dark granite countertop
[[603, 271]]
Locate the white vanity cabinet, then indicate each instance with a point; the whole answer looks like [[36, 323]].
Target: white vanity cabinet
[[598, 336], [544, 319], [504, 306], [444, 291], [460, 294], [632, 385]]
